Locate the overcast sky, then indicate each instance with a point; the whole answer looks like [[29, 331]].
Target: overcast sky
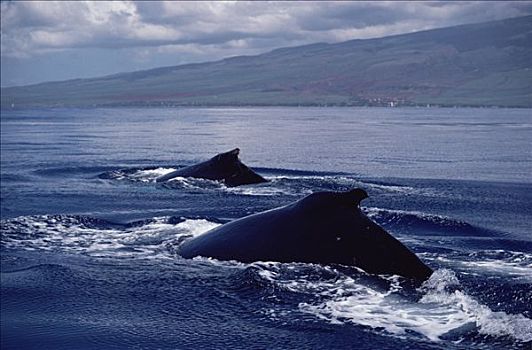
[[43, 41]]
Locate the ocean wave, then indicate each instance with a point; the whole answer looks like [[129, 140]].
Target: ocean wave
[[439, 310], [417, 222]]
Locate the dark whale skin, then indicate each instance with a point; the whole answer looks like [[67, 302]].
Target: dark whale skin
[[225, 167], [324, 227]]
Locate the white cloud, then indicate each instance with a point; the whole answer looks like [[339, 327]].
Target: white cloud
[[30, 28], [43, 40]]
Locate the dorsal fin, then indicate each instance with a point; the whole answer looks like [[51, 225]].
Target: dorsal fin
[[229, 155], [355, 196], [331, 200], [234, 152]]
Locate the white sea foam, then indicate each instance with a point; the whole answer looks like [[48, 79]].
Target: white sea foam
[[375, 212], [400, 189], [437, 293], [192, 183], [500, 267], [276, 185], [69, 234], [271, 188], [347, 181], [509, 264], [149, 175], [441, 310], [140, 175]]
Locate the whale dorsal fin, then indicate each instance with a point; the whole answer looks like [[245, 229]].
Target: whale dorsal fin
[[234, 152], [228, 156], [355, 196], [330, 200]]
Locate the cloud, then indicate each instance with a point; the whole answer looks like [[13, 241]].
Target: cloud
[[175, 32], [31, 28]]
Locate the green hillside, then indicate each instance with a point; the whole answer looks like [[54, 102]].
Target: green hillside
[[487, 64]]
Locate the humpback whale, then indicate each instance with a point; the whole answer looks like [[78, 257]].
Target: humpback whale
[[224, 167], [323, 227]]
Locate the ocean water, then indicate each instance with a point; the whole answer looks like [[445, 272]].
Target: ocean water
[[89, 240]]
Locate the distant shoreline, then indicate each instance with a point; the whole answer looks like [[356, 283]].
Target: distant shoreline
[[208, 106]]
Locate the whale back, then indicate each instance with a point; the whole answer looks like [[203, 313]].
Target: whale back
[[225, 167], [324, 227]]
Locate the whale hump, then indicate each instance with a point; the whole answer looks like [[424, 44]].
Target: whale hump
[[323, 227], [225, 167]]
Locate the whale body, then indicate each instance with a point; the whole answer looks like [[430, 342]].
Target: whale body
[[323, 227], [224, 167]]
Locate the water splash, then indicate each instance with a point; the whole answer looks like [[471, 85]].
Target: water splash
[[442, 311], [99, 238]]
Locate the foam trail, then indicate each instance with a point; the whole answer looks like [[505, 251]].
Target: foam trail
[[441, 310], [137, 175], [488, 322], [150, 175], [504, 263], [99, 238]]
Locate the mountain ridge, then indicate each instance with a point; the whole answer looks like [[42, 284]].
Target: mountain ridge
[[483, 64]]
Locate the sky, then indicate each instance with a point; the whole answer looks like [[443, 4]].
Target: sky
[[48, 40]]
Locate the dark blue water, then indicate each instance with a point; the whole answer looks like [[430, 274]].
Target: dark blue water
[[88, 245]]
